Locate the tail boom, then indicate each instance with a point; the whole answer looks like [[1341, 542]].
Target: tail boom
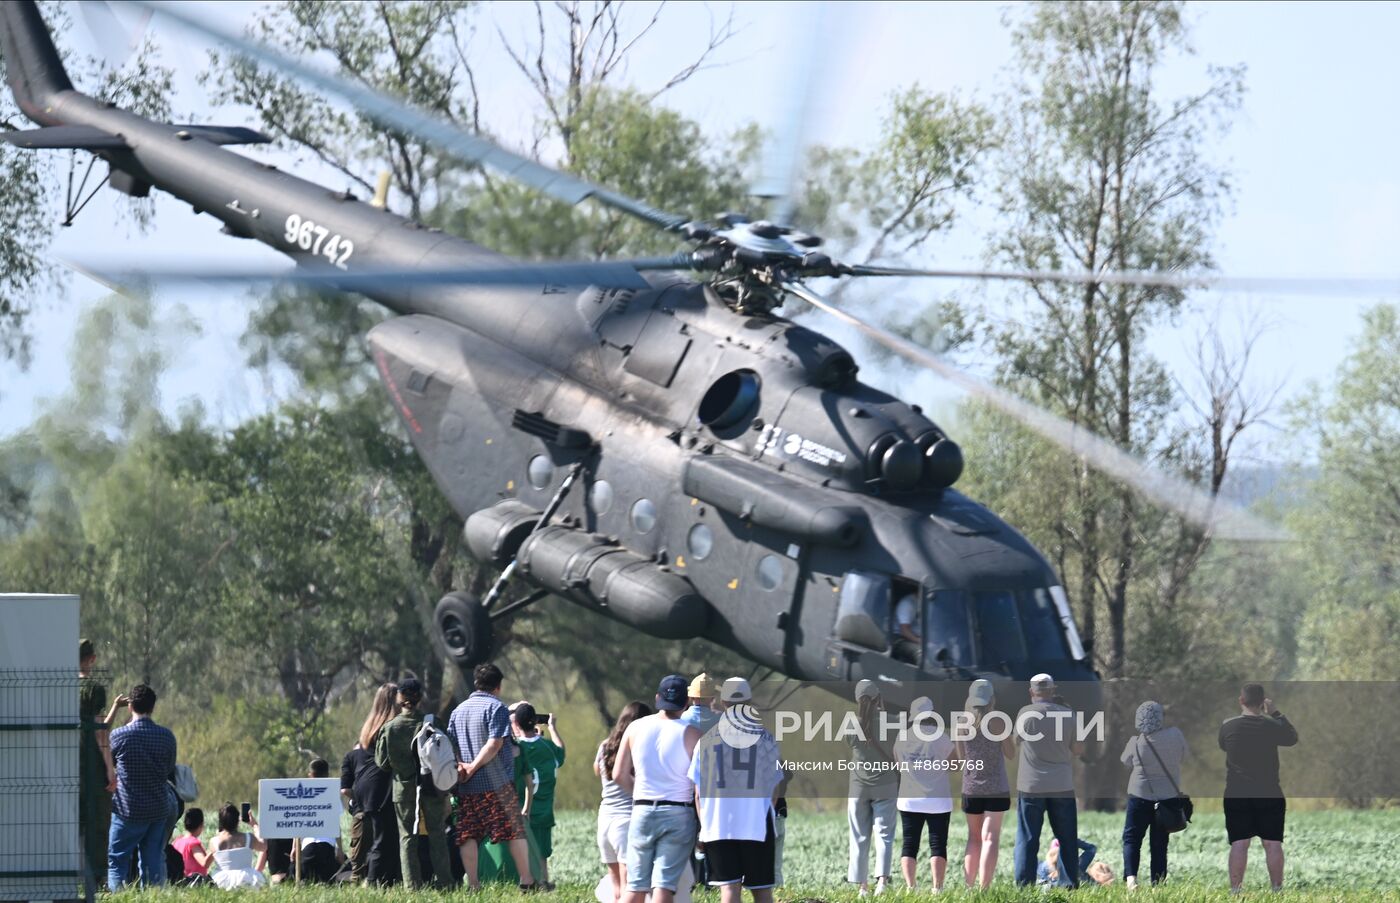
[[311, 224]]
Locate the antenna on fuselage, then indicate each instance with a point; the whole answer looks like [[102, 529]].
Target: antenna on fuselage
[[381, 191]]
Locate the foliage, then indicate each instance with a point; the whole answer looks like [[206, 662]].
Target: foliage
[[930, 150], [29, 180], [624, 141], [414, 50], [1101, 173], [1350, 530]]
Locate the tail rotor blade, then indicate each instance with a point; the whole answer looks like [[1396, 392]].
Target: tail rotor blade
[[1171, 492]]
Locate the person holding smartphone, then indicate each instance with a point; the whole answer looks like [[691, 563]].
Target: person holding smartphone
[[537, 765], [233, 850], [97, 773]]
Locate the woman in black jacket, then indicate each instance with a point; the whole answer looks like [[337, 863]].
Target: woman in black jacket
[[375, 852]]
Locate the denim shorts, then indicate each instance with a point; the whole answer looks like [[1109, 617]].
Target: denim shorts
[[660, 841]]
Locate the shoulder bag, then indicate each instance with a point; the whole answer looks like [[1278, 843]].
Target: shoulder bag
[[1170, 815]]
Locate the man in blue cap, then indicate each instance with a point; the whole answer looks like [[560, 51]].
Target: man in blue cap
[[653, 762]]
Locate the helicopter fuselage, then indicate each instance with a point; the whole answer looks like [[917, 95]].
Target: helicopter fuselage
[[734, 480]]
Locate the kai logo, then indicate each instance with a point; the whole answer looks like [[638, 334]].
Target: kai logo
[[300, 792]]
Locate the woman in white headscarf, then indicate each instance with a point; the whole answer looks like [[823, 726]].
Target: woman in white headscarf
[[1155, 755]]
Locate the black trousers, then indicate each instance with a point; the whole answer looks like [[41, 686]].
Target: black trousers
[[381, 830], [913, 827]]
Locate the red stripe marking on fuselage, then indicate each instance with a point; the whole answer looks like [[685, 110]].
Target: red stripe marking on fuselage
[[394, 393]]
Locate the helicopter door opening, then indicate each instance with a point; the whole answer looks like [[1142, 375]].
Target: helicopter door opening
[[907, 626], [864, 610]]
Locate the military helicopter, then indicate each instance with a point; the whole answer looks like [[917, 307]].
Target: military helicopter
[[664, 451]]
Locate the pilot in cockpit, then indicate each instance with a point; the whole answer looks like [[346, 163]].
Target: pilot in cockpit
[[905, 643]]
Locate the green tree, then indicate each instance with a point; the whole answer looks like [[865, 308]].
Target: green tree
[[30, 181], [312, 591], [157, 542], [1349, 523], [1103, 173]]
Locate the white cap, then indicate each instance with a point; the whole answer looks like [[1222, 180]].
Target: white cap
[[1042, 682], [979, 693], [867, 689], [921, 706], [736, 689]]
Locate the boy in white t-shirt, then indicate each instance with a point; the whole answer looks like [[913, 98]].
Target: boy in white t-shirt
[[924, 753], [736, 772]]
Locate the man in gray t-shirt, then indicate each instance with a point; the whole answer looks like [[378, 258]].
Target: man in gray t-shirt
[[1045, 780]]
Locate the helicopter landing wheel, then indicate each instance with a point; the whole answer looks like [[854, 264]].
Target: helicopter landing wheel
[[465, 629]]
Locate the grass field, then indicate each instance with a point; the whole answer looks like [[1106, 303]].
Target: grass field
[[1332, 856]]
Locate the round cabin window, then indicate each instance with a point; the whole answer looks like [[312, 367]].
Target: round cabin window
[[770, 572], [540, 471], [600, 497], [700, 541], [643, 515]]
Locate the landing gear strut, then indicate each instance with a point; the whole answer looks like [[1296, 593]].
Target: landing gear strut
[[464, 621]]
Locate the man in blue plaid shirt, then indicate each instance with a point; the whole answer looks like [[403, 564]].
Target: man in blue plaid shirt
[[144, 753]]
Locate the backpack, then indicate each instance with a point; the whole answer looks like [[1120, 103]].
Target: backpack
[[186, 786], [437, 760]]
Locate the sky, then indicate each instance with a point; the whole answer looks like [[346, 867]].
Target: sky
[[1317, 189]]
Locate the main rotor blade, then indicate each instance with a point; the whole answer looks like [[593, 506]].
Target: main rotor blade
[[780, 167], [372, 279], [1308, 285], [396, 114], [1188, 501], [115, 42]]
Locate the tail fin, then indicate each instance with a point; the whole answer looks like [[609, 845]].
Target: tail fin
[[32, 63]]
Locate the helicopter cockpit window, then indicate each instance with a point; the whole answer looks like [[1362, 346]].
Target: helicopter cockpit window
[[1041, 621], [864, 610], [999, 628], [948, 635]]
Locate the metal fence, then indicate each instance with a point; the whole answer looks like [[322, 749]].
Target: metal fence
[[41, 853]]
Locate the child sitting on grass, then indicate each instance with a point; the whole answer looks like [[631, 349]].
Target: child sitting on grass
[[195, 857], [1049, 871]]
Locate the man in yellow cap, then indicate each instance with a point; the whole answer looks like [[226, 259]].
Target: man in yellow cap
[[702, 714]]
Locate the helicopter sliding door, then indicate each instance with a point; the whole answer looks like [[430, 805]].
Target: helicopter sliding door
[[769, 583]]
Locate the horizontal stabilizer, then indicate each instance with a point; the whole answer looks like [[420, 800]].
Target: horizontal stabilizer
[[86, 137], [81, 137]]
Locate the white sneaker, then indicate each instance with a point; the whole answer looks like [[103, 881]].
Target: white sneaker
[[881, 886], [863, 891], [1132, 883]]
